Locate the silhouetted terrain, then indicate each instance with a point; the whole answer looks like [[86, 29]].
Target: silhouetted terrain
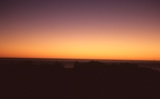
[[87, 80]]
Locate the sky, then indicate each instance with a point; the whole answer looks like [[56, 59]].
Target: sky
[[80, 29]]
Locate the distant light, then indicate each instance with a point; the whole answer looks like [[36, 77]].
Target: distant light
[[69, 65]]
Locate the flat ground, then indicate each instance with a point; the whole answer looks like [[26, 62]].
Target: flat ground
[[87, 80]]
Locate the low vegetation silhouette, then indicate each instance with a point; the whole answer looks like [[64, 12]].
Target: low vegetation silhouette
[[86, 80]]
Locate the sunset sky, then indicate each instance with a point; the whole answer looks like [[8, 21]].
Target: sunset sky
[[80, 29]]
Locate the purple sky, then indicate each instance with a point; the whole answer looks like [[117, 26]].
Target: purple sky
[[107, 29]]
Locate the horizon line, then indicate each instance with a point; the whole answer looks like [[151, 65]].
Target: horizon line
[[78, 59]]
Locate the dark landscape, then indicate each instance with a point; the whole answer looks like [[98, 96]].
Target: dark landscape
[[52, 79]]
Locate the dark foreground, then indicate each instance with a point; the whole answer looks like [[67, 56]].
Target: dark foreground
[[91, 80]]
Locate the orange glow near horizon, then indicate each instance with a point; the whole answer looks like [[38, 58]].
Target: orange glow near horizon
[[83, 46]]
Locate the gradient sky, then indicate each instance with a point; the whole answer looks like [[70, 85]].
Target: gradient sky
[[90, 29]]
